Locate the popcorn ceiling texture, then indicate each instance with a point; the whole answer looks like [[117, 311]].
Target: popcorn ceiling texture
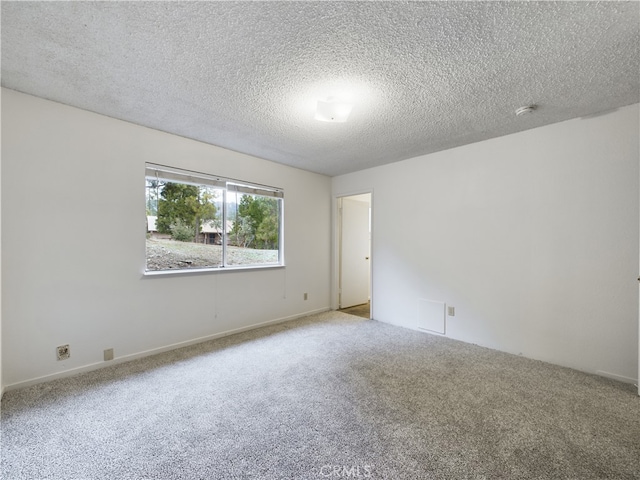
[[423, 76]]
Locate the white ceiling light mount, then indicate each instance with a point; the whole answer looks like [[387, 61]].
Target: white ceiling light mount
[[333, 110], [525, 110]]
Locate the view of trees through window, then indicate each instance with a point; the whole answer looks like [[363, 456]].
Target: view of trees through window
[[191, 226]]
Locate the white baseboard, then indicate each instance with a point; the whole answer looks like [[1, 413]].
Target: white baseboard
[[612, 376], [619, 378], [134, 356]]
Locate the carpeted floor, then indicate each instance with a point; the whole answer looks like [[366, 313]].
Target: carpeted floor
[[328, 396]]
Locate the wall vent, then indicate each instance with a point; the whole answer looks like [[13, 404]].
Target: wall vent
[[431, 316]]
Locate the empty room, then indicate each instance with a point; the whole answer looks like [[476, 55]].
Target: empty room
[[306, 240]]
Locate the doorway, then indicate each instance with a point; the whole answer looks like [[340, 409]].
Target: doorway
[[354, 252]]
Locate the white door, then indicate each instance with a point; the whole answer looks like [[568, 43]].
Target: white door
[[355, 250]]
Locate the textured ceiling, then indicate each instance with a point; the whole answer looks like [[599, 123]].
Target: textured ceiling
[[423, 76]]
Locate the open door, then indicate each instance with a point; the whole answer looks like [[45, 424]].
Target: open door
[[355, 250]]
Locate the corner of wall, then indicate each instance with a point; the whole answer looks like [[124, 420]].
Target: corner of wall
[[1, 377]]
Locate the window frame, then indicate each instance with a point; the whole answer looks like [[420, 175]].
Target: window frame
[[189, 177]]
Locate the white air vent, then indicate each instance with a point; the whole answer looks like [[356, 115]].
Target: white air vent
[[431, 316]]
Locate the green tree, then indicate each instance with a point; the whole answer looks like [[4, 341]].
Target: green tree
[[172, 205], [203, 209], [242, 226], [267, 233], [186, 205], [242, 232], [256, 223]]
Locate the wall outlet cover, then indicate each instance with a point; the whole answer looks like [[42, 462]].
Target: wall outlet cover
[[63, 352]]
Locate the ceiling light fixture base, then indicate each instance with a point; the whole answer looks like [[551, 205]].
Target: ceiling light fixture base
[[525, 109], [332, 110]]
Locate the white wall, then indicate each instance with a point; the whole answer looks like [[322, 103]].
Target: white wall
[[73, 246], [533, 237], [1, 377]]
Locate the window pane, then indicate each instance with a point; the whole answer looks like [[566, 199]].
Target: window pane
[[254, 234], [184, 225]]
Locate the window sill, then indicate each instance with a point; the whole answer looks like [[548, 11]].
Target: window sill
[[192, 271]]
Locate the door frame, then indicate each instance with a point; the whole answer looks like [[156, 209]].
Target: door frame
[[336, 247]]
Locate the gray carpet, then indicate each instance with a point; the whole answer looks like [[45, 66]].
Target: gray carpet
[[328, 396]]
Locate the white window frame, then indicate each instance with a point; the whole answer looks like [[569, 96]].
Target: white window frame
[[189, 177]]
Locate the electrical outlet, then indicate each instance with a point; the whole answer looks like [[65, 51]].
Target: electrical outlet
[[451, 311], [108, 354], [306, 296], [63, 352]]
